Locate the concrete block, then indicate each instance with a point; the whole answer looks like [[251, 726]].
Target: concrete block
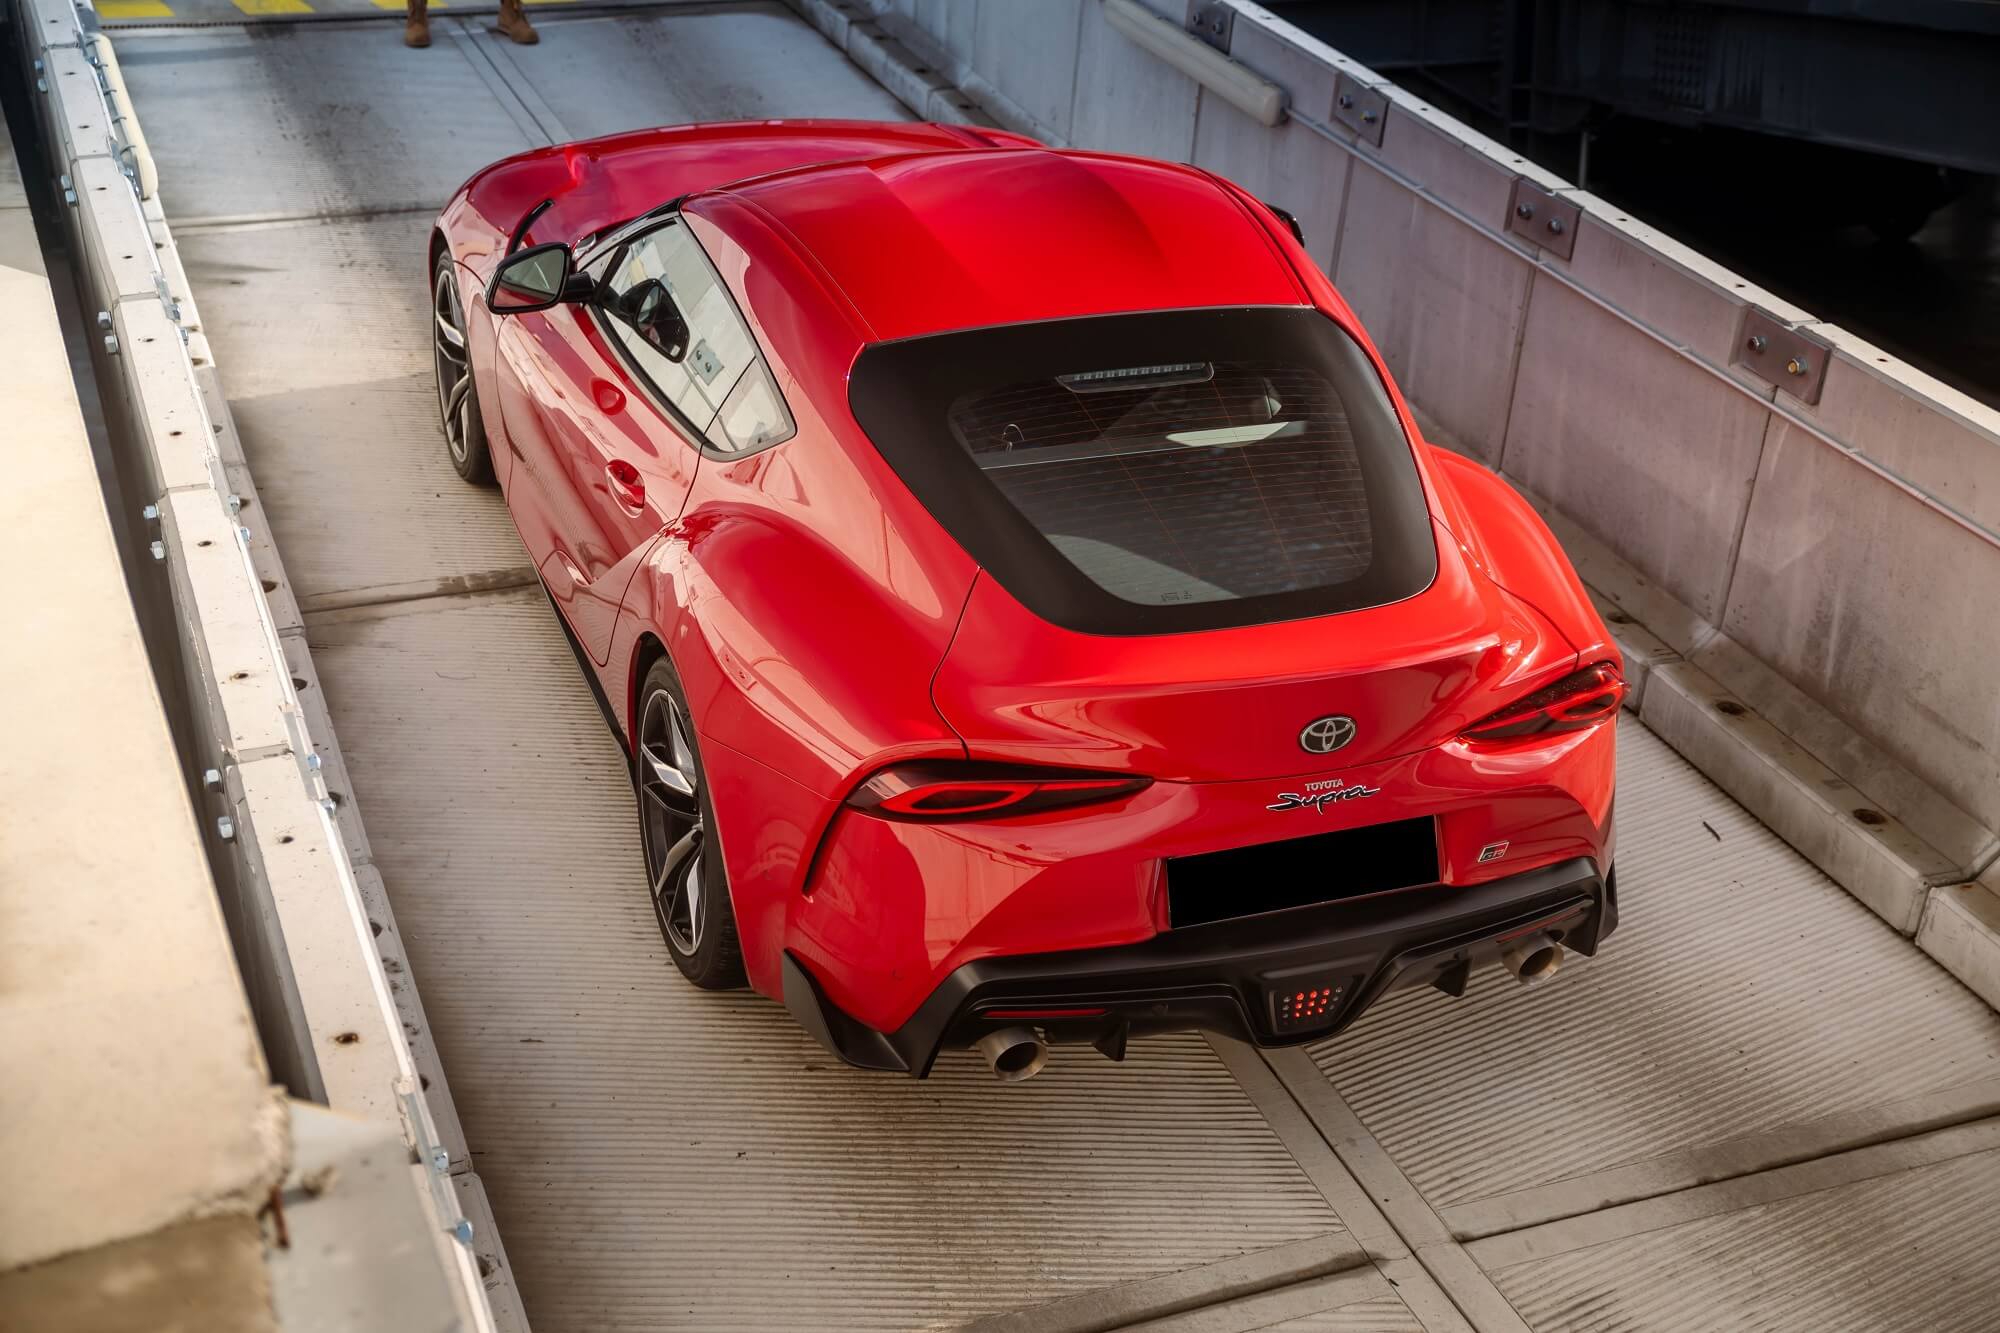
[[1942, 441], [1444, 304], [1653, 627], [910, 74], [496, 1275], [1641, 650], [115, 238], [1879, 609], [164, 408], [395, 960], [333, 765], [77, 114], [55, 22], [1288, 165], [326, 940], [1026, 53], [1650, 454], [1130, 102], [1889, 785], [216, 602], [1801, 800], [1961, 930], [275, 584]]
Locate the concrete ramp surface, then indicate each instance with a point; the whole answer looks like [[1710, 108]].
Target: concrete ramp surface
[[1758, 1107]]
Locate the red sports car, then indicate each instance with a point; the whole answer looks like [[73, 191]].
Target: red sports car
[[1030, 609]]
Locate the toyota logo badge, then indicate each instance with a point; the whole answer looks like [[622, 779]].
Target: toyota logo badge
[[1326, 734]]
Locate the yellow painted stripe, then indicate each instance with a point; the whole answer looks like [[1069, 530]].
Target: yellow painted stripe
[[274, 6], [133, 9]]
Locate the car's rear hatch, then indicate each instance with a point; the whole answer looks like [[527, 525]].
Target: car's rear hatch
[[1233, 704], [1199, 532]]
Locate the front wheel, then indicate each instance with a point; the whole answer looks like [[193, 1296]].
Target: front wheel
[[458, 401], [684, 871]]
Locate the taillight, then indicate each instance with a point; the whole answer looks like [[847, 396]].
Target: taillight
[[941, 790], [1580, 700]]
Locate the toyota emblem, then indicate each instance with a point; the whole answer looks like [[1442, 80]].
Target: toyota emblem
[[1324, 735]]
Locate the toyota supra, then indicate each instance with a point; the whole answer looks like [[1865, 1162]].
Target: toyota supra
[[1028, 607]]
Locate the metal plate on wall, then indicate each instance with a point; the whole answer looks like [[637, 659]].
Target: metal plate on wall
[[1212, 21], [1548, 220], [1773, 351], [1360, 108]]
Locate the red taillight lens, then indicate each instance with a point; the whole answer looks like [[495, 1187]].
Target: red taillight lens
[[935, 791], [1581, 700]]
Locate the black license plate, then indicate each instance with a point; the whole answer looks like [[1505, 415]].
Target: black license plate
[[1301, 872]]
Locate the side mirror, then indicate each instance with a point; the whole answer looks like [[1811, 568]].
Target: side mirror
[[529, 280], [649, 308]]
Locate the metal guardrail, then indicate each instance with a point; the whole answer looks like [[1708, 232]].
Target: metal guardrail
[[329, 1021], [1267, 103]]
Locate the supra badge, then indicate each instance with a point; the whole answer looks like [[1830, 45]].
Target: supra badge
[[1319, 795], [1324, 735]]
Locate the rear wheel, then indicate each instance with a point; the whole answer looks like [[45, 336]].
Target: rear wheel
[[684, 872], [458, 403]]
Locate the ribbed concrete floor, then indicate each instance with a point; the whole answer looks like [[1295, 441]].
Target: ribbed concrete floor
[[1759, 1108]]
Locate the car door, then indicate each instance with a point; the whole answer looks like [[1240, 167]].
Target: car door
[[619, 422], [696, 366]]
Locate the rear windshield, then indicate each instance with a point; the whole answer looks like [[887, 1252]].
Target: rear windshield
[[1159, 472]]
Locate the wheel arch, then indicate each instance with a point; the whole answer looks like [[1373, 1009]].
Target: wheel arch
[[647, 649]]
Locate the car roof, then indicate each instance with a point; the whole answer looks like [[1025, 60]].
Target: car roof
[[933, 241]]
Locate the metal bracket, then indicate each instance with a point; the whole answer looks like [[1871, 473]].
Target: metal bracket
[[1775, 352], [1360, 108], [1212, 21], [1547, 220], [425, 1148], [167, 301]]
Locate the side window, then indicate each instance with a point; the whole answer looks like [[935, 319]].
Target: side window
[[667, 307], [644, 316]]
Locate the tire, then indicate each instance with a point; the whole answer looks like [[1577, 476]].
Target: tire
[[458, 401], [685, 877]]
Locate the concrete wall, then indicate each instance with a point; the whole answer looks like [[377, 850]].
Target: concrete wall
[[133, 1098], [1603, 383], [308, 931]]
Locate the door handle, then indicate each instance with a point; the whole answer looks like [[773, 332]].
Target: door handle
[[627, 486], [608, 396]]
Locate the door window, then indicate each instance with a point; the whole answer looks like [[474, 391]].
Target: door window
[[668, 310]]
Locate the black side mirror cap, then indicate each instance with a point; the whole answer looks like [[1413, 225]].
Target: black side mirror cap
[[532, 279]]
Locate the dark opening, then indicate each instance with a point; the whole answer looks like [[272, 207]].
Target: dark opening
[[1301, 872]]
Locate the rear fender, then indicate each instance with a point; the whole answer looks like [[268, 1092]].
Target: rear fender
[[1501, 533]]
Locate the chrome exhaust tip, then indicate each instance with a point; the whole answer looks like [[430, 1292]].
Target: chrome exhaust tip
[[1532, 959], [1013, 1054]]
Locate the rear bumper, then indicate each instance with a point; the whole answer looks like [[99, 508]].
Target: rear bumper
[[1228, 977]]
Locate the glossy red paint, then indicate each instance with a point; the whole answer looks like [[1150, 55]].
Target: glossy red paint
[[825, 626]]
